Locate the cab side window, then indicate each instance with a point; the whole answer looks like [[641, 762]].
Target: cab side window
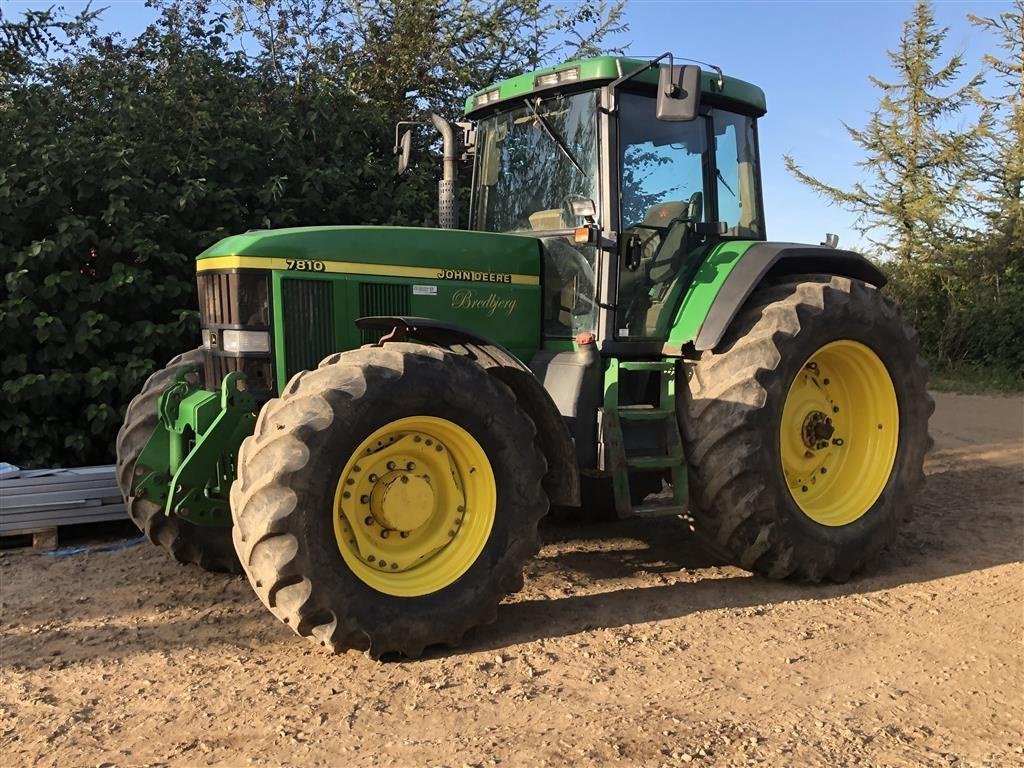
[[738, 191]]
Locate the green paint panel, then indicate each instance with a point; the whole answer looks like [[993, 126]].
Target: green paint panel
[[604, 69], [404, 246], [704, 288]]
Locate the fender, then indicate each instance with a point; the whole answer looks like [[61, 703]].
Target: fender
[[562, 481], [772, 260]]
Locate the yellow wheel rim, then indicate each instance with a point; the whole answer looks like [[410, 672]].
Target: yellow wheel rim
[[414, 506], [839, 429]]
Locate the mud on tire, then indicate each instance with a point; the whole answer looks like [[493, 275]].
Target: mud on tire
[[730, 414], [207, 547], [283, 500]]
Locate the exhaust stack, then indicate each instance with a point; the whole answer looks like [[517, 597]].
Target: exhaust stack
[[447, 208]]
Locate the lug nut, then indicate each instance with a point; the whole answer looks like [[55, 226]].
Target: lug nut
[[404, 534], [373, 478], [346, 495], [385, 533], [391, 465], [368, 520], [364, 499], [410, 466]]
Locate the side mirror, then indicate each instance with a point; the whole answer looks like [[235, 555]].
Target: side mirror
[[404, 149], [678, 93]]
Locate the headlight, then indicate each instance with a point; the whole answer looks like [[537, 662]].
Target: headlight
[[570, 75], [487, 97], [245, 341]]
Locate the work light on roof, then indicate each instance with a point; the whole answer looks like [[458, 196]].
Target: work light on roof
[[487, 97], [570, 75]]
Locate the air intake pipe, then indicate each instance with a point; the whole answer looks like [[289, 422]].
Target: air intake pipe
[[447, 208]]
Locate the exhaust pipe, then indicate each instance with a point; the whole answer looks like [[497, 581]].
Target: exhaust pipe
[[447, 208]]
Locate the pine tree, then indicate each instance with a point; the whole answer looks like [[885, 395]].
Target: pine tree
[[1000, 167], [914, 196]]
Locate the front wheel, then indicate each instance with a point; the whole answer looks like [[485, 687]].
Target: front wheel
[[806, 433], [389, 499]]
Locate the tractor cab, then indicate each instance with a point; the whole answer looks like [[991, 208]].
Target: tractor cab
[[625, 195]]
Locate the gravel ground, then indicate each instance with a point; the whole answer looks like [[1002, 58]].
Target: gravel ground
[[628, 646]]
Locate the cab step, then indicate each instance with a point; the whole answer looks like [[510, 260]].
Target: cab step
[[655, 510], [619, 422]]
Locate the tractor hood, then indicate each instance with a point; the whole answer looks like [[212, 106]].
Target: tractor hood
[[429, 254]]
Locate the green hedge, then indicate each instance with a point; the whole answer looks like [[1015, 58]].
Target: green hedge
[[968, 311], [120, 164]]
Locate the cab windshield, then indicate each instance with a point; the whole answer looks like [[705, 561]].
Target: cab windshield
[[533, 161]]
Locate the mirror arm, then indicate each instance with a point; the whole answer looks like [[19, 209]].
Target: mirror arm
[[614, 84]]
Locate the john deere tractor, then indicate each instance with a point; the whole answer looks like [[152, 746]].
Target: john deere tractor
[[378, 417]]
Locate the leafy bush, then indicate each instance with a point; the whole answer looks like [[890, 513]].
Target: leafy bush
[[121, 163], [970, 314]]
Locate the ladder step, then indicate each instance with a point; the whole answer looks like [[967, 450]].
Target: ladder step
[[637, 365], [646, 414], [652, 462], [658, 510]]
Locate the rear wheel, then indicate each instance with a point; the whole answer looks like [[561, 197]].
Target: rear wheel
[[389, 499], [206, 546], [806, 432]]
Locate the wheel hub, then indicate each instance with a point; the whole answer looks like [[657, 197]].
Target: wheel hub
[[817, 430], [402, 501]]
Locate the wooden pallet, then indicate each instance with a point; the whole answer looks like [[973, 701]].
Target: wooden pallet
[[44, 499], [39, 539]]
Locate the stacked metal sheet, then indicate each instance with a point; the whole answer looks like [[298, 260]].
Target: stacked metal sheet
[[31, 499]]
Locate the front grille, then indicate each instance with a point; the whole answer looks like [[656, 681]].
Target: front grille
[[233, 299], [308, 312], [381, 299]]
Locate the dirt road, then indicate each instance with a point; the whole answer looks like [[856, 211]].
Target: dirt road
[[628, 646]]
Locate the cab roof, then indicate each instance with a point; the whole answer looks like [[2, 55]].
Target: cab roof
[[601, 70]]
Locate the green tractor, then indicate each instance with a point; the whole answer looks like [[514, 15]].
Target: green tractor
[[379, 417]]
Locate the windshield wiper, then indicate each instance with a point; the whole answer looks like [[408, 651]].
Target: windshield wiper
[[555, 137], [721, 178]]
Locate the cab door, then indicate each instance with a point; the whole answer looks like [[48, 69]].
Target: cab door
[[666, 172]]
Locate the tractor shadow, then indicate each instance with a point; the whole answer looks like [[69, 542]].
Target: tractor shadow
[[965, 519]]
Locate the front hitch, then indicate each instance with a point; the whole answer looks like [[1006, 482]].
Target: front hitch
[[189, 463]]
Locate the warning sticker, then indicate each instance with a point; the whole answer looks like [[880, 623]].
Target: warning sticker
[[424, 290]]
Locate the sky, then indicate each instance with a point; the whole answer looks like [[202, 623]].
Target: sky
[[812, 58]]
